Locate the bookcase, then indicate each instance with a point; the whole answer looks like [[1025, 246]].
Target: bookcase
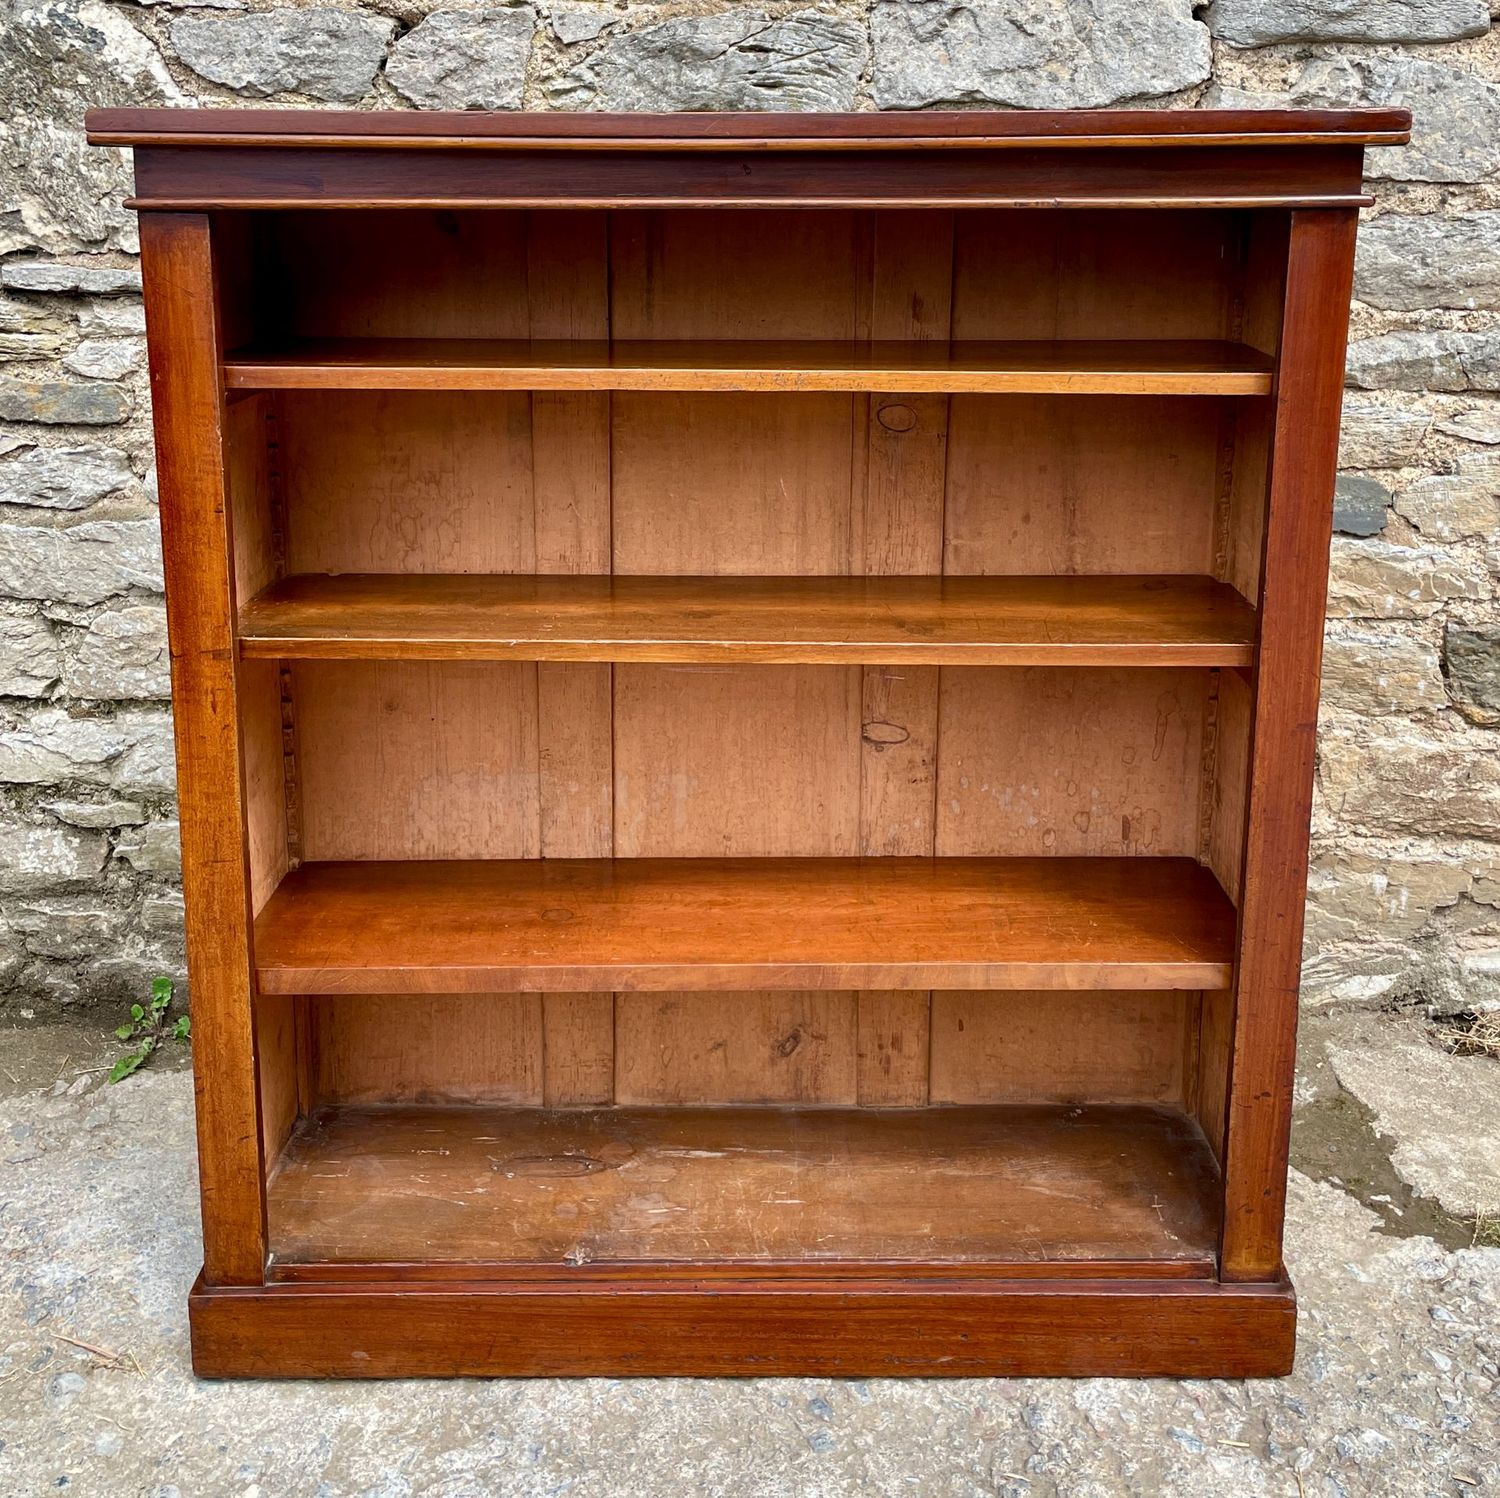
[[745, 695]]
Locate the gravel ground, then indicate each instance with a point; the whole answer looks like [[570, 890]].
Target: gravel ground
[[1396, 1389]]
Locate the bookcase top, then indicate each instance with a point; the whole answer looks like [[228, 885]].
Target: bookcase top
[[926, 129]]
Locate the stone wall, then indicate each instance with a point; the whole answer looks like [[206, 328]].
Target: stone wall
[[1406, 880]]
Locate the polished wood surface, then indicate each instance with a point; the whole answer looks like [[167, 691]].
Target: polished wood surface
[[183, 341], [1083, 621], [926, 129], [646, 1325], [559, 925], [1141, 367], [1283, 738], [623, 1185]]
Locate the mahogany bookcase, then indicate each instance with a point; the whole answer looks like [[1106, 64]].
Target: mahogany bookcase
[[745, 693]]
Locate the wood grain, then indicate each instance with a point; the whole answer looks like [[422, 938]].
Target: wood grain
[[1079, 367], [177, 266], [749, 1184], [1083, 621], [1299, 519], [901, 1325], [922, 129], [563, 925]]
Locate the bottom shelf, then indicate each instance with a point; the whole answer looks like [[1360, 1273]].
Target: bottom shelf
[[1087, 1187]]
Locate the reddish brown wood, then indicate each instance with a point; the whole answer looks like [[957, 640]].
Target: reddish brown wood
[[1071, 367], [920, 130], [177, 265], [639, 1327], [1079, 621], [1284, 737], [747, 1185], [663, 924], [1029, 176]]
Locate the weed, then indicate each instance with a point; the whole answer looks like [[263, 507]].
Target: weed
[[149, 1027]]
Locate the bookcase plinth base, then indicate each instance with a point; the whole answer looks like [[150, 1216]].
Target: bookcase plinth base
[[830, 1328]]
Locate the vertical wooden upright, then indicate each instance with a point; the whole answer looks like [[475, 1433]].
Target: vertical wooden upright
[[1293, 599], [187, 399]]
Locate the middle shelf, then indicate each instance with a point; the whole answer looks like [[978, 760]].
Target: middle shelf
[[648, 924], [1020, 621]]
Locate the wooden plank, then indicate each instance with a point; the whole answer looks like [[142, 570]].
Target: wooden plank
[[1083, 621], [630, 1185], [732, 485], [1077, 367], [1070, 763], [1115, 175], [894, 1049], [408, 482], [750, 761], [926, 128], [578, 1049], [565, 925], [898, 761], [706, 1048], [445, 1048], [1050, 485], [898, 1325], [1304, 456], [410, 759], [177, 266], [1060, 1048]]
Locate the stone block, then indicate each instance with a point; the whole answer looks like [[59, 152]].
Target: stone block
[[1372, 579], [1471, 657], [325, 53], [1033, 54], [63, 402], [30, 656], [62, 478], [122, 655], [82, 563], [1377, 674], [1410, 262], [736, 59], [464, 59], [43, 856]]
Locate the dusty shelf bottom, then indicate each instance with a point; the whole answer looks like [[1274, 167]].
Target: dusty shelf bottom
[[450, 1185]]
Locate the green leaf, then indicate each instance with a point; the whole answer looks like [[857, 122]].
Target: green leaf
[[183, 1028], [137, 1013], [161, 991], [128, 1063], [125, 1031]]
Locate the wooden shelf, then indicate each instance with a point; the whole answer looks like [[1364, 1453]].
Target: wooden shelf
[[580, 925], [1019, 621], [1113, 1186], [1160, 367]]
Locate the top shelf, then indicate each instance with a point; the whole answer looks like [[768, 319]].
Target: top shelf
[[1146, 367]]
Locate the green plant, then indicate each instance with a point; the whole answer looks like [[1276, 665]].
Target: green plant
[[149, 1027]]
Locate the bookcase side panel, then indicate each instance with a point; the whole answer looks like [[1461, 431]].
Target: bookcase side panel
[[178, 269], [1304, 456]]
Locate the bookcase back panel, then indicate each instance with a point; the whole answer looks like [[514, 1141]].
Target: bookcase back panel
[[1024, 1047], [1018, 274], [1075, 763], [689, 1048], [408, 482], [413, 759], [824, 1049], [755, 484], [734, 484], [663, 273], [1082, 484]]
